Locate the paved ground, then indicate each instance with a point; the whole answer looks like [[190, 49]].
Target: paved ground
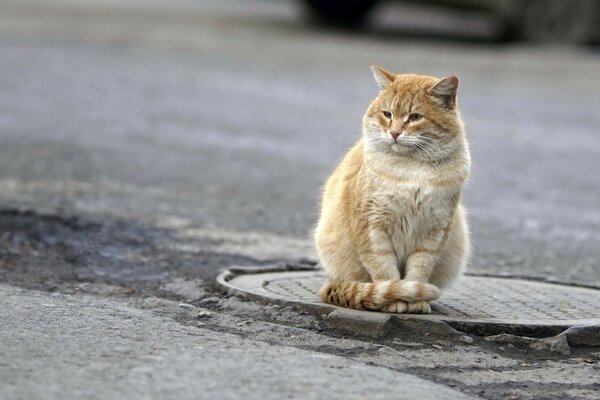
[[153, 143], [121, 344]]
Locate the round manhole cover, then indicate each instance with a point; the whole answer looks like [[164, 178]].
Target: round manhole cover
[[473, 300]]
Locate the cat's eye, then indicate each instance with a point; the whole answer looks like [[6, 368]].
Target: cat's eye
[[414, 117], [387, 114]]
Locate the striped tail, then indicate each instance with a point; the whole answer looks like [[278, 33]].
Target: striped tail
[[374, 296]]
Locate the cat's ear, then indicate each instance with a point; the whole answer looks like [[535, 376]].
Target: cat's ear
[[445, 91], [382, 76]]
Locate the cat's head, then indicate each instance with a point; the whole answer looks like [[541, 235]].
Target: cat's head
[[414, 115]]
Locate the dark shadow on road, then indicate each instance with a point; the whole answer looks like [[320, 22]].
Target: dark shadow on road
[[58, 253]]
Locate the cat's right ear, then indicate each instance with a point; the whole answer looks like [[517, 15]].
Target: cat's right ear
[[445, 91], [382, 76]]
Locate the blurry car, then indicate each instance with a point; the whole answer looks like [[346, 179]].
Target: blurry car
[[567, 21]]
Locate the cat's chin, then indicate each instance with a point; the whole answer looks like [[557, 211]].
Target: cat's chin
[[400, 149]]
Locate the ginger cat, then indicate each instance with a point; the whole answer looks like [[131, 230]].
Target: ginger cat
[[392, 228]]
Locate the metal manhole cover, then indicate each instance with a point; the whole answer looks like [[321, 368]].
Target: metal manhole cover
[[482, 300]]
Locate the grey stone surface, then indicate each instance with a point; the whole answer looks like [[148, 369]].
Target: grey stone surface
[[547, 373], [354, 322], [465, 339], [584, 335], [55, 346], [558, 343]]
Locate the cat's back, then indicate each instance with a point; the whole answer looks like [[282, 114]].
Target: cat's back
[[342, 193], [344, 179]]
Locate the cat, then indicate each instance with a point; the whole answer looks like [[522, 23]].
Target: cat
[[392, 229]]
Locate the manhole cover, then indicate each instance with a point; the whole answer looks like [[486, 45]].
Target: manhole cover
[[474, 301]]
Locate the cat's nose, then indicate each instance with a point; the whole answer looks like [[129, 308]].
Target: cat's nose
[[395, 134]]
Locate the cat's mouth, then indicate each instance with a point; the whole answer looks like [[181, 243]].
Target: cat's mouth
[[402, 139], [405, 142], [401, 147]]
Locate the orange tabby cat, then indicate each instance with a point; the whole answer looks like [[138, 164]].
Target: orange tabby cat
[[392, 228]]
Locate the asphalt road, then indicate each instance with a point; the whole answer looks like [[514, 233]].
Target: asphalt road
[[120, 344], [154, 142], [232, 115]]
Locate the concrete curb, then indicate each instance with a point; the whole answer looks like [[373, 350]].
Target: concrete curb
[[251, 283]]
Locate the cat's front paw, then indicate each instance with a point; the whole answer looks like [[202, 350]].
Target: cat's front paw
[[419, 307], [398, 307]]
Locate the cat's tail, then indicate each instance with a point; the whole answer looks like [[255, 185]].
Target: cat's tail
[[376, 295]]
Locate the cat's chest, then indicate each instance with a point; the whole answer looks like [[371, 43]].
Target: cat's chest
[[411, 209]]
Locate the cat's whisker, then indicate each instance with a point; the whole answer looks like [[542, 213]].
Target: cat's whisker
[[423, 147], [441, 152]]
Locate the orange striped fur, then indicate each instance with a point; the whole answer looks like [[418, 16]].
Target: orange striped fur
[[392, 228]]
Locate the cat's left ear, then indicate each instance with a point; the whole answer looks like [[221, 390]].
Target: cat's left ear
[[382, 76], [445, 91]]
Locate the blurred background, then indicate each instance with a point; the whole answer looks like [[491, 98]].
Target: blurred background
[[229, 114]]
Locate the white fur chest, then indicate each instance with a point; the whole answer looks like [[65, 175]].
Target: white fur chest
[[414, 213]]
